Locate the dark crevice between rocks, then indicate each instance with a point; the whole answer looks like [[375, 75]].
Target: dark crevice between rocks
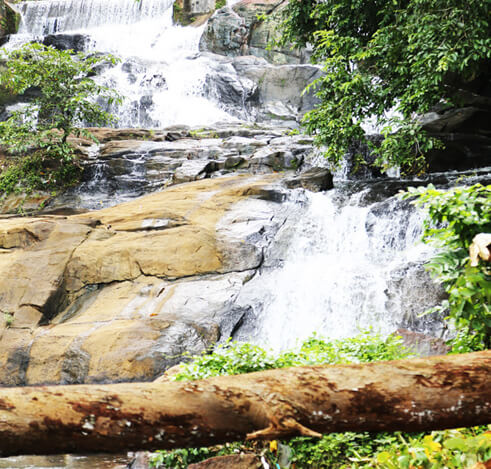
[[56, 302], [82, 301], [59, 298]]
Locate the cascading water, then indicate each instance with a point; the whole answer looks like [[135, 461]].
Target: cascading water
[[349, 266], [160, 76], [342, 261], [53, 16]]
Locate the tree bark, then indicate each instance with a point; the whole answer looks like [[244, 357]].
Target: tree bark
[[420, 394]]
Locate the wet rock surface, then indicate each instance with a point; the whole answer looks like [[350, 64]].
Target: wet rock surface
[[75, 42], [250, 87], [120, 294], [131, 162]]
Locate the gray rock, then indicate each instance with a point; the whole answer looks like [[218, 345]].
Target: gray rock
[[411, 291], [140, 460], [231, 90], [241, 31], [421, 344], [243, 145], [275, 159], [192, 170], [198, 7], [448, 121], [251, 9], [75, 366], [225, 34], [261, 41], [280, 88], [314, 179], [245, 231], [233, 162], [75, 42]]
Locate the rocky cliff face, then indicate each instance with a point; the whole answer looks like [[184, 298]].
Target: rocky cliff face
[[249, 28], [121, 293]]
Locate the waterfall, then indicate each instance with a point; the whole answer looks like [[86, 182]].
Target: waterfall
[[54, 16], [348, 266], [160, 75], [347, 263]]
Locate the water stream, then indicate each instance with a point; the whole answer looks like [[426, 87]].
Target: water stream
[[349, 265], [161, 74]]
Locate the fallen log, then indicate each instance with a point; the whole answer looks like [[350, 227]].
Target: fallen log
[[419, 394]]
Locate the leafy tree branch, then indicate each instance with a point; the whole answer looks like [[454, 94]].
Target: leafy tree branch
[[36, 135], [391, 61]]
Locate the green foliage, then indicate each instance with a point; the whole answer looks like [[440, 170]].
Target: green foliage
[[65, 98], [8, 319], [336, 450], [450, 449], [237, 358], [466, 341], [228, 359], [220, 4], [40, 170], [403, 56], [454, 217]]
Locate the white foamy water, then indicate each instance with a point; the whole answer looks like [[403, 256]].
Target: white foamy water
[[53, 16], [160, 61], [161, 75], [336, 275]]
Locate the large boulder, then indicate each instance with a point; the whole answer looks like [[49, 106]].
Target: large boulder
[[121, 293], [242, 30], [248, 86], [225, 33], [280, 88]]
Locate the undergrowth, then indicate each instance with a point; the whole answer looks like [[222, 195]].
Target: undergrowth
[[452, 449]]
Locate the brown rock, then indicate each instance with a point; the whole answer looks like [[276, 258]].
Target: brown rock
[[235, 461], [14, 355], [97, 297]]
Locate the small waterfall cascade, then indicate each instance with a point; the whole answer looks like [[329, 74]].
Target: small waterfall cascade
[[348, 266], [53, 16], [161, 75]]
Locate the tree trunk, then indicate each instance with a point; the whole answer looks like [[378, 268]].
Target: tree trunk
[[420, 394]]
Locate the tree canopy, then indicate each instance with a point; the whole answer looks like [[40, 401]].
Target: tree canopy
[[391, 61]]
